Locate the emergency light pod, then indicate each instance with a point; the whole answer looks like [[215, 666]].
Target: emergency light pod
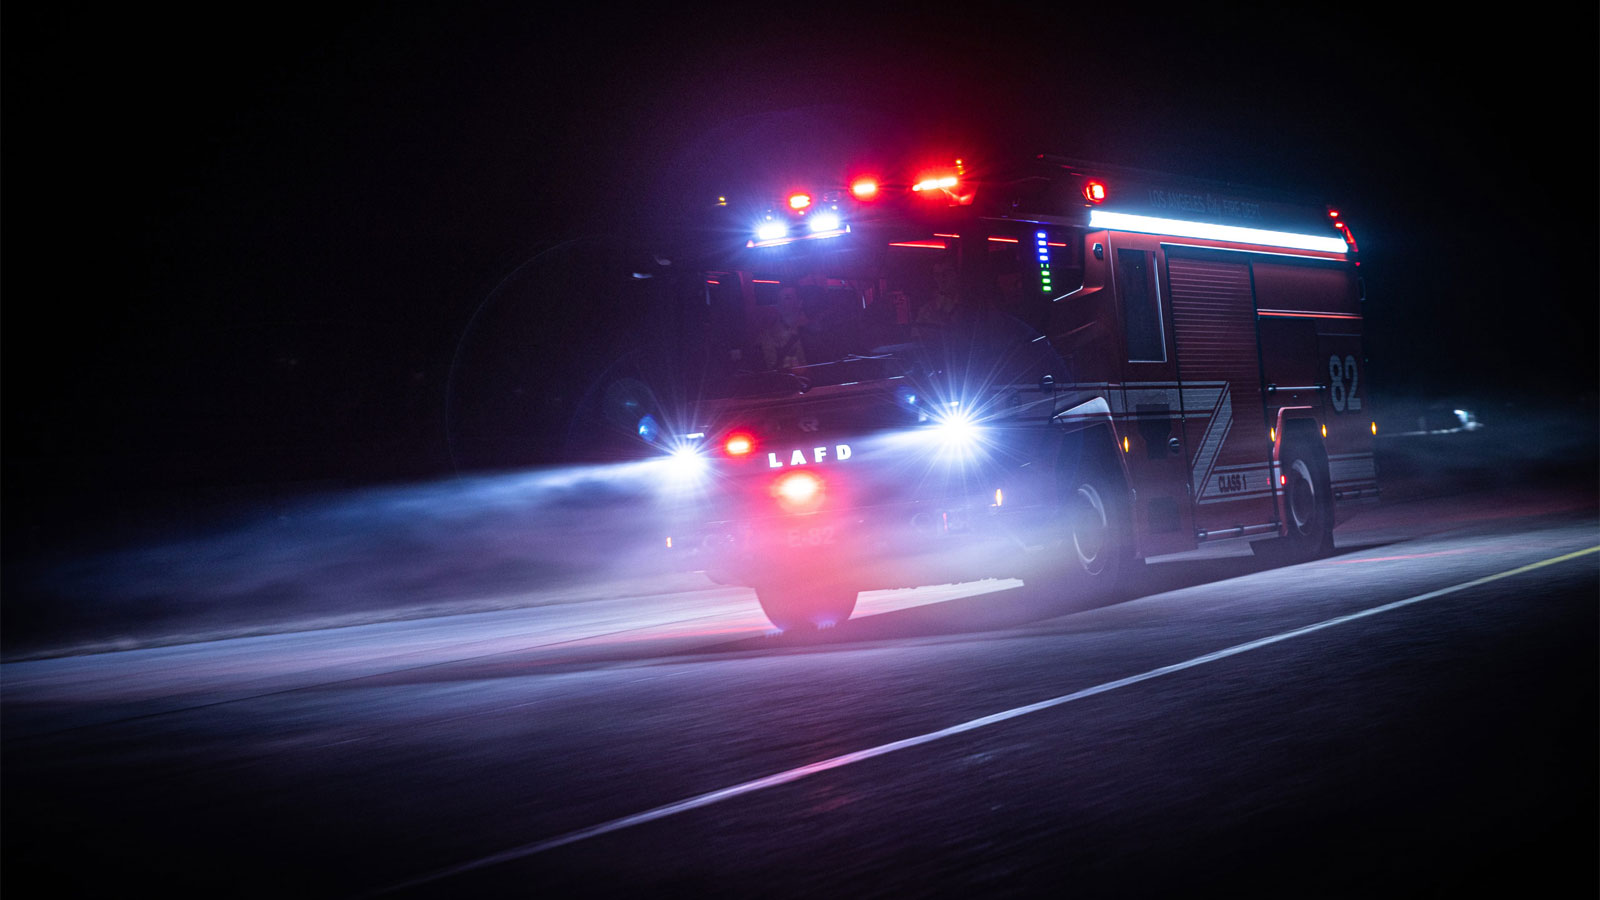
[[798, 491]]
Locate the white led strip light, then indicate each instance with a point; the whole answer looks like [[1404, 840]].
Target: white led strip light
[[1114, 221]]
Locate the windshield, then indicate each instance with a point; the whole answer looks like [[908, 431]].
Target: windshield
[[858, 312]]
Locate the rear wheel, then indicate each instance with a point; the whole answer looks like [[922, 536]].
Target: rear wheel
[[795, 607], [1307, 508]]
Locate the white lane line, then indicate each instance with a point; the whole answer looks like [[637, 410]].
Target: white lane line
[[795, 774]]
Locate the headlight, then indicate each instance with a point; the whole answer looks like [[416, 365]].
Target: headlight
[[957, 428]]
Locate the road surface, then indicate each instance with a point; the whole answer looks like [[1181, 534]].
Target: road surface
[[1415, 715]]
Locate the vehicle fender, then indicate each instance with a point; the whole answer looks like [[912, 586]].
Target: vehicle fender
[[1091, 421]]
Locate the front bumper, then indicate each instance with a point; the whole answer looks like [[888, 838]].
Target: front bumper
[[892, 545]]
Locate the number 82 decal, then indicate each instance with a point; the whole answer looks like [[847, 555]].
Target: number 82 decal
[[1343, 395]]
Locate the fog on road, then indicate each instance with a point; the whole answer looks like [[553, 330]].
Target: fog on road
[[1413, 714]]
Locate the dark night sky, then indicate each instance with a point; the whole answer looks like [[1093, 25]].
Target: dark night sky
[[243, 246]]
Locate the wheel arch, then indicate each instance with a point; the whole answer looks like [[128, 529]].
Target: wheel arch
[[1088, 434], [1089, 438]]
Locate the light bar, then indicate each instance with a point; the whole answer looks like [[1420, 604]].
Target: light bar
[[1116, 221], [789, 239]]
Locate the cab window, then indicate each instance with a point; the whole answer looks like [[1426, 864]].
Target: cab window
[[1140, 298]]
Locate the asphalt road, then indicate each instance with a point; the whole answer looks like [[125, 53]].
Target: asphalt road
[[1415, 716]]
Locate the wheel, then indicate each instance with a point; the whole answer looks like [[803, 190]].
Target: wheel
[[1307, 507], [793, 607], [1091, 555]]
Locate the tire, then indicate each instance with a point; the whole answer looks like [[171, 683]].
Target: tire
[[1091, 558], [1307, 507], [804, 608]]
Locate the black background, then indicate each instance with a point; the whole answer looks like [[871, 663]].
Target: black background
[[243, 247]]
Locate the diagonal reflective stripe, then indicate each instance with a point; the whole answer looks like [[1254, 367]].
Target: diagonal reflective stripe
[[1205, 457]]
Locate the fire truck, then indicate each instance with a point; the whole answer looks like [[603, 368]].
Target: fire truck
[[1048, 370]]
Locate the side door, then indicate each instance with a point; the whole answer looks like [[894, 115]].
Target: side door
[[1226, 430], [1152, 414]]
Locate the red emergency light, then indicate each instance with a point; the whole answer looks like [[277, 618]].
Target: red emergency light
[[739, 444], [799, 201], [864, 189], [798, 491], [1094, 192], [1348, 237], [944, 182]]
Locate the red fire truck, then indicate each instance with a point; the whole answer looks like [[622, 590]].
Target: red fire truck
[[1049, 370]]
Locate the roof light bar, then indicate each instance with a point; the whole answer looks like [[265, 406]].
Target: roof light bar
[[1115, 221], [788, 239]]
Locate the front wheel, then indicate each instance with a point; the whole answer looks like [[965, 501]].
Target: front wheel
[[1091, 556], [801, 608]]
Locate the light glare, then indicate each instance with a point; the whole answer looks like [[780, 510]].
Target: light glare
[[825, 221]]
